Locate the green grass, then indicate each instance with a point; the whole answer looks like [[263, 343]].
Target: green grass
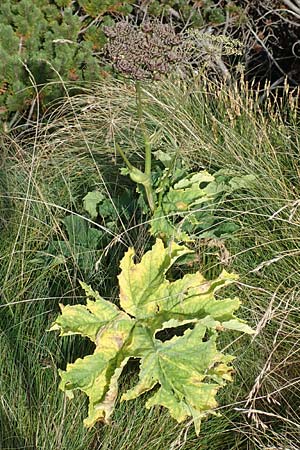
[[44, 178]]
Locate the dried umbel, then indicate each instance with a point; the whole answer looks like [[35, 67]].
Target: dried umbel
[[144, 52], [154, 49]]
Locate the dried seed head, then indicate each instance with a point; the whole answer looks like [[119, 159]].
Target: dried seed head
[[143, 52], [153, 49]]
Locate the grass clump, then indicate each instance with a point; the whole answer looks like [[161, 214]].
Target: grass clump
[[44, 180]]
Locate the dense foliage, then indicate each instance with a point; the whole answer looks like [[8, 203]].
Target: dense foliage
[[46, 45], [51, 43], [223, 191], [43, 42]]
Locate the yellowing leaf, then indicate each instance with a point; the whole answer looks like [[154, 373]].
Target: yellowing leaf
[[139, 281], [185, 366], [85, 320], [77, 320], [179, 367], [193, 296], [97, 375], [237, 325]]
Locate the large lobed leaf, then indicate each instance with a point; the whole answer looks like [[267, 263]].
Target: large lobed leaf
[[187, 370], [139, 283], [188, 203]]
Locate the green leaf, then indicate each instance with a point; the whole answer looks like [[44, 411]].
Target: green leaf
[[79, 247], [242, 182], [194, 180], [162, 226], [86, 320], [179, 367], [237, 325], [188, 204], [164, 157], [194, 296], [138, 282], [183, 204], [91, 201], [187, 369], [80, 232]]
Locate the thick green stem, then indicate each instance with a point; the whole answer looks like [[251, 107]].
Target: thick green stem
[[148, 156], [140, 178], [150, 197]]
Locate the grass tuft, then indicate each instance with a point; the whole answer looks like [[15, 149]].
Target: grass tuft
[[44, 178]]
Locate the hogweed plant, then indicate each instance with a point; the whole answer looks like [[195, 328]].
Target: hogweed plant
[[170, 324], [143, 53], [148, 53]]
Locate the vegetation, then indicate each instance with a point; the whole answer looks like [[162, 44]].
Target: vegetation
[[138, 161], [46, 46], [45, 177], [43, 43]]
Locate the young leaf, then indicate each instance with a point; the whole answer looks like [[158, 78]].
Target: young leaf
[[188, 203], [91, 201]]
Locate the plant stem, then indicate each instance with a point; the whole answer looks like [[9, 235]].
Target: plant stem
[[150, 197], [146, 183], [143, 128], [148, 156], [125, 159]]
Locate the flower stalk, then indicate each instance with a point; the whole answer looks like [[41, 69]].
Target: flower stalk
[[146, 52]]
